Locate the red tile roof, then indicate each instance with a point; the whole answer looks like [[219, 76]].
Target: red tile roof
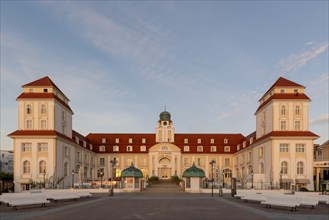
[[283, 82], [283, 96], [45, 81], [44, 95]]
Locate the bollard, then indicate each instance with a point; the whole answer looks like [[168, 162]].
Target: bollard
[[220, 191], [111, 192]]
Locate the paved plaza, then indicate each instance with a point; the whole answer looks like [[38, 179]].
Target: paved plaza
[[155, 204]]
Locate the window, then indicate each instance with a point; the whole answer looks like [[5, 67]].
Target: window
[[26, 147], [261, 170], [43, 109], [102, 161], [283, 110], [86, 158], [212, 141], [129, 148], [199, 161], [186, 148], [283, 125], [26, 167], [42, 167], [284, 167], [29, 124], [186, 162], [30, 90], [102, 148], [199, 149], [227, 149], [43, 124], [143, 140], [225, 141], [143, 148], [297, 110], [295, 90], [185, 141], [261, 151], [42, 147], [251, 140], [45, 90], [300, 148], [28, 109], [300, 168], [213, 148], [227, 173], [282, 90], [103, 140], [130, 140], [244, 144], [297, 125], [84, 143], [65, 169], [67, 151], [115, 148], [227, 161], [249, 156], [237, 147], [117, 140], [199, 141], [284, 148]]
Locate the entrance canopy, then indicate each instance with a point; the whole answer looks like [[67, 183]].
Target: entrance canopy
[[193, 171], [132, 171]]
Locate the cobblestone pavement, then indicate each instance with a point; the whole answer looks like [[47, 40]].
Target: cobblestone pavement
[[165, 205]]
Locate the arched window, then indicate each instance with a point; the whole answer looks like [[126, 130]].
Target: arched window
[[199, 149], [42, 166], [129, 148], [102, 148], [300, 167], [213, 148], [65, 169], [283, 110], [28, 109], [186, 148], [26, 167], [115, 148], [284, 167], [43, 109], [297, 110], [227, 149], [261, 168]]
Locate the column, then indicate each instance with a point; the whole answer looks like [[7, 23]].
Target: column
[[317, 179]]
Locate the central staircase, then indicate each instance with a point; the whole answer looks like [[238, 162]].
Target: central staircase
[[164, 187]]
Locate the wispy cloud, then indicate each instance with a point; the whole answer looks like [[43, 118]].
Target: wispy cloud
[[323, 79], [323, 119], [296, 61]]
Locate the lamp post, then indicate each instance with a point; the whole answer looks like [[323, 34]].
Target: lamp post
[[212, 177], [44, 179], [72, 178], [281, 173], [252, 179], [102, 178]]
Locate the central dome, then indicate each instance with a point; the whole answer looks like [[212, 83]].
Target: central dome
[[165, 116]]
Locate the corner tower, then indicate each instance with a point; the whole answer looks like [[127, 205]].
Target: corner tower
[[165, 131]]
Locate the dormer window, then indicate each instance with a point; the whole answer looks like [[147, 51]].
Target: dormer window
[[90, 147], [295, 90], [213, 149], [84, 144], [103, 140], [199, 149], [77, 140], [228, 149], [130, 140], [212, 141], [101, 148], [30, 90], [244, 144], [129, 148], [251, 140], [237, 147], [117, 140], [143, 140], [45, 90], [225, 141], [115, 148], [185, 141], [186, 148], [199, 141], [282, 91]]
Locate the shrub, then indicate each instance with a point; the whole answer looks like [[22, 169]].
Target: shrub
[[153, 179], [303, 189], [176, 179]]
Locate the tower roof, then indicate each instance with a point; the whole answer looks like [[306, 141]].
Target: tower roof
[[193, 171], [165, 116], [45, 81]]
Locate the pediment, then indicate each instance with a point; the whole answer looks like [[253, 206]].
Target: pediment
[[164, 147]]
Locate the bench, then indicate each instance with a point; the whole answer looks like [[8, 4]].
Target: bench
[[308, 201], [61, 196], [5, 197], [324, 199], [283, 201], [83, 193], [31, 199], [254, 198]]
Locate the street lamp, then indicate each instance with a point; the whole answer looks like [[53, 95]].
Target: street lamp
[[72, 178], [212, 177], [252, 179], [281, 173], [102, 178], [44, 179]]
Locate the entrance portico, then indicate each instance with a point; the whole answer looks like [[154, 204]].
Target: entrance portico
[[164, 160]]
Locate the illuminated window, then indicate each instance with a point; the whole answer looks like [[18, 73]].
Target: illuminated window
[[186, 148]]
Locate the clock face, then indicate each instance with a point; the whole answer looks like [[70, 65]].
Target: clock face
[[164, 148]]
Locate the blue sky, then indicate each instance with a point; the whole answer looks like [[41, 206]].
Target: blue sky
[[208, 62]]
